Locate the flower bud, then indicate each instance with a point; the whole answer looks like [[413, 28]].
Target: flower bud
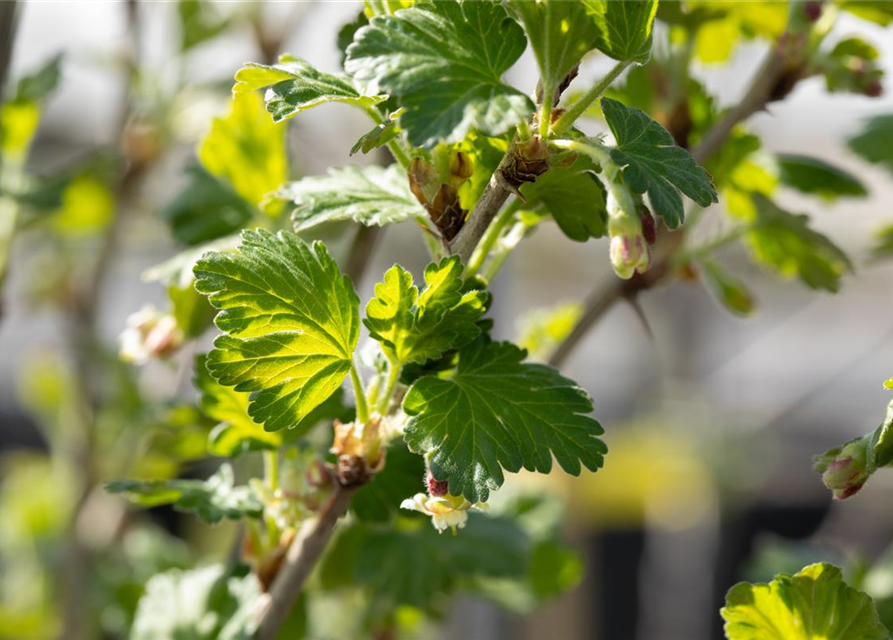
[[436, 488], [813, 10], [629, 251], [845, 469], [149, 333]]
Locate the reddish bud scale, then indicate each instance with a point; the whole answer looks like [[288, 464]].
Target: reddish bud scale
[[649, 230], [436, 488], [813, 11]]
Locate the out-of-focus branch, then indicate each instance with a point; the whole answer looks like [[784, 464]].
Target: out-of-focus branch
[[762, 90], [302, 556], [8, 23]]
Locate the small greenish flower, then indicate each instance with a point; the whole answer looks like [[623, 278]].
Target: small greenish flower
[[629, 250], [447, 511], [149, 333]]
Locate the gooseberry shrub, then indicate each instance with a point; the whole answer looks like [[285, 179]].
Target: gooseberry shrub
[[386, 425]]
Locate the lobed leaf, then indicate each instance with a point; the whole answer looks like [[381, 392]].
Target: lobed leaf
[[497, 412], [418, 327], [815, 604], [444, 62], [291, 323], [210, 500], [369, 196], [653, 163], [624, 28], [294, 85], [817, 177]]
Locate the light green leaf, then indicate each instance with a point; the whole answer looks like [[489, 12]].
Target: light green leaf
[[883, 247], [875, 142], [369, 196], [291, 322], [444, 62], [210, 500], [784, 242], [729, 291], [652, 162], [200, 604], [574, 196], [624, 28], [246, 149], [497, 412], [418, 327], [20, 114], [817, 177], [294, 85], [877, 11], [190, 309], [206, 209], [199, 23], [560, 33], [379, 136], [542, 330], [237, 432], [815, 604]]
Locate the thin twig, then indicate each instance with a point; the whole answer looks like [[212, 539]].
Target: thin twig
[[300, 560], [603, 298], [8, 24]]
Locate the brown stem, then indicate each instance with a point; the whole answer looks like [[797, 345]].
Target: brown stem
[[302, 556], [485, 210], [603, 298]]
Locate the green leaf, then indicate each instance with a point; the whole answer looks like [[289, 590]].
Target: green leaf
[[430, 565], [246, 149], [560, 34], [875, 142], [652, 162], [817, 177], [883, 247], [237, 431], [418, 327], [877, 11], [575, 198], [200, 604], [206, 209], [294, 85], [199, 23], [815, 604], [379, 136], [624, 28], [211, 500], [542, 330], [730, 292], [402, 477], [20, 114], [36, 86], [497, 412], [291, 322], [444, 62], [784, 242], [369, 196], [190, 309]]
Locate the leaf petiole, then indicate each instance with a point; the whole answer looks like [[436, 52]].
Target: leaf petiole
[[579, 107], [360, 394]]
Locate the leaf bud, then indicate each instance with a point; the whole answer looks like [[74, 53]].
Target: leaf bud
[[845, 469]]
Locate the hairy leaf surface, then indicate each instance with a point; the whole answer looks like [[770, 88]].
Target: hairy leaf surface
[[291, 321], [498, 412]]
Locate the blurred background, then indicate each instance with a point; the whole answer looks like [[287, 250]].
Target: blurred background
[[711, 419]]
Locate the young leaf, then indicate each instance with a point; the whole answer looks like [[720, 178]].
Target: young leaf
[[419, 327], [730, 292], [206, 209], [815, 604], [294, 85], [198, 23], [497, 412], [652, 162], [560, 34], [237, 432], [378, 136], [211, 500], [817, 177], [246, 149], [444, 62], [574, 196], [542, 330], [369, 196], [201, 604], [784, 242], [291, 319], [883, 247], [624, 28], [875, 142]]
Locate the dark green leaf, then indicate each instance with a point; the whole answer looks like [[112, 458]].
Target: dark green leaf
[[497, 412], [444, 61], [817, 177], [574, 196], [402, 477], [875, 142], [206, 209], [211, 500], [291, 319], [294, 85], [37, 85], [652, 162]]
